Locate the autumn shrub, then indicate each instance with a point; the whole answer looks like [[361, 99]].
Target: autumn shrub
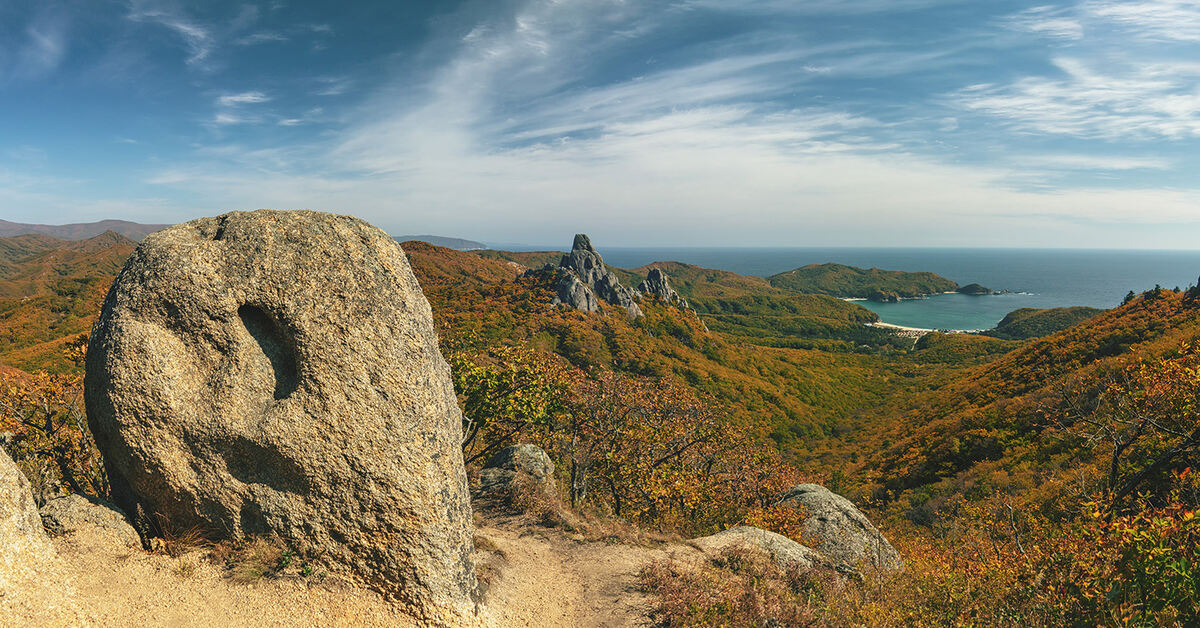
[[648, 450], [740, 587], [44, 428]]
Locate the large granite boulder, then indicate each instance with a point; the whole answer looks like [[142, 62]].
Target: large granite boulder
[[507, 465], [275, 372], [584, 261], [845, 534], [786, 553], [75, 512]]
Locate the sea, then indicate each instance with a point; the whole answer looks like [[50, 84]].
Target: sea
[[1037, 278]]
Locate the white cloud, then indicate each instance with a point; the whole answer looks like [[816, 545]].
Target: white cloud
[[244, 98], [1094, 162], [515, 136], [263, 37], [1048, 21], [1138, 102], [198, 39], [225, 119], [1165, 20]]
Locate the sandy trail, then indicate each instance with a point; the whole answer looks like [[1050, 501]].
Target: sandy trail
[[544, 579], [550, 579]]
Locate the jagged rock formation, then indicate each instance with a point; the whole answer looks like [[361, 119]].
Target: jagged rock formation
[[573, 292], [786, 553], [275, 372], [65, 515], [658, 284], [503, 469], [846, 535], [585, 262]]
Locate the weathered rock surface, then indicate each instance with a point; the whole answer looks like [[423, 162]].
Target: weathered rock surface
[[20, 526], [657, 284], [573, 292], [846, 535], [275, 372], [65, 515], [509, 463], [786, 553], [584, 261]]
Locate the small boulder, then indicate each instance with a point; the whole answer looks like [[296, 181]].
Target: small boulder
[[64, 515], [786, 553], [846, 535], [503, 468]]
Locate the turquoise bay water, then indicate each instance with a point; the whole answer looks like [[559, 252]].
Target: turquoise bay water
[[1037, 278]]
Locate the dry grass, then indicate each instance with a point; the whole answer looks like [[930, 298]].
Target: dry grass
[[488, 568], [261, 557], [178, 540], [740, 587]]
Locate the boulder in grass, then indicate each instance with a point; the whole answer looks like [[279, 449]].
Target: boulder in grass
[[507, 465], [842, 531], [786, 553]]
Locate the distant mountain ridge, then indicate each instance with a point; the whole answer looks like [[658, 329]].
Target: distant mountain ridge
[[458, 244], [80, 230]]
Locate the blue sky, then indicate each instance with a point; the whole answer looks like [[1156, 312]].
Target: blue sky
[[689, 122]]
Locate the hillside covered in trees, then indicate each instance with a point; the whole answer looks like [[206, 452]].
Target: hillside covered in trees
[[1025, 481]]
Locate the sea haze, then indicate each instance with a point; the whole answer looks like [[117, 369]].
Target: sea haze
[[1037, 278]]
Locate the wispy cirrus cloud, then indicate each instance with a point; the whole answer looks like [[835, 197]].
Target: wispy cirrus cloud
[[244, 98], [196, 37], [1140, 101], [1050, 21], [1164, 20]]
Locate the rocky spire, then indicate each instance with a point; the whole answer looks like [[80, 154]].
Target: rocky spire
[[586, 263], [657, 284]]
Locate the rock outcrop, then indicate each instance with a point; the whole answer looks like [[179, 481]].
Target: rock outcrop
[[276, 372], [586, 263], [510, 463], [786, 553], [64, 515], [846, 535], [21, 531], [657, 284], [573, 292]]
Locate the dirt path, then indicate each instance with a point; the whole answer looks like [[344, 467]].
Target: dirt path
[[539, 577], [546, 578], [90, 581]]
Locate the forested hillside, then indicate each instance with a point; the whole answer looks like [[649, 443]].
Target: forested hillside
[[1072, 451], [840, 280]]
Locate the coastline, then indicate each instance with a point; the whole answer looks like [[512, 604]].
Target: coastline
[[922, 330]]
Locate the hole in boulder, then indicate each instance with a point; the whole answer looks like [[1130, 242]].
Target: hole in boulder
[[275, 344]]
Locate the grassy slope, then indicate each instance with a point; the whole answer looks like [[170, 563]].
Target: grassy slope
[[848, 281]]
